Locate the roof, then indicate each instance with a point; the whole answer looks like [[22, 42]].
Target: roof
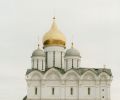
[[25, 98], [31, 70], [80, 71], [38, 52], [59, 69], [72, 52], [97, 71]]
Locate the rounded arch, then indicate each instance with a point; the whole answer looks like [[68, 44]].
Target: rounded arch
[[89, 75], [104, 76], [71, 75], [52, 74], [35, 75]]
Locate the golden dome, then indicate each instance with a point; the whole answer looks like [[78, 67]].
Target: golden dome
[[54, 36]]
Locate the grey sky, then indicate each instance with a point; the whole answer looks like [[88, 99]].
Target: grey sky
[[95, 25]]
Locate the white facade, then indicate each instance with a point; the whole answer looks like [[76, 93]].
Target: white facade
[[56, 75], [68, 85]]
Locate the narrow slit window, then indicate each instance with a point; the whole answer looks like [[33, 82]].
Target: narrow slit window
[[66, 63], [46, 64], [37, 63], [88, 91], [33, 64], [71, 91], [42, 64], [61, 59], [35, 90], [72, 63], [77, 63], [53, 58], [53, 91]]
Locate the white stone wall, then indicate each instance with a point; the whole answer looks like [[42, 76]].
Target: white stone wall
[[62, 85]]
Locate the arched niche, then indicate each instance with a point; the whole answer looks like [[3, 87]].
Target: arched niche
[[52, 74], [71, 75], [89, 76], [34, 75], [104, 76]]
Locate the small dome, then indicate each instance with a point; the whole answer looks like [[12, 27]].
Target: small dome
[[72, 52], [54, 36], [38, 52]]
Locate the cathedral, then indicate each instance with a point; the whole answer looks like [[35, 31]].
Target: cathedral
[[56, 74]]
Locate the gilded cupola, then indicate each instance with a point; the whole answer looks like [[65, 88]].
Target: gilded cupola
[[54, 37]]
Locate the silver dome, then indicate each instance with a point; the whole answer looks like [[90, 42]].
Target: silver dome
[[38, 52], [72, 52]]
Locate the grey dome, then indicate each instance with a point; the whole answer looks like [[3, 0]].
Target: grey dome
[[38, 52], [72, 52]]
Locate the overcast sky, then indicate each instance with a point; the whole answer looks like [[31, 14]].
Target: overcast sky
[[94, 24]]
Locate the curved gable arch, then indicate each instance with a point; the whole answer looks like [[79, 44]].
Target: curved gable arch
[[89, 75], [52, 74], [35, 75], [104, 76], [71, 75]]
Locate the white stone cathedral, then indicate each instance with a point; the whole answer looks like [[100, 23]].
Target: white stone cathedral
[[56, 74]]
